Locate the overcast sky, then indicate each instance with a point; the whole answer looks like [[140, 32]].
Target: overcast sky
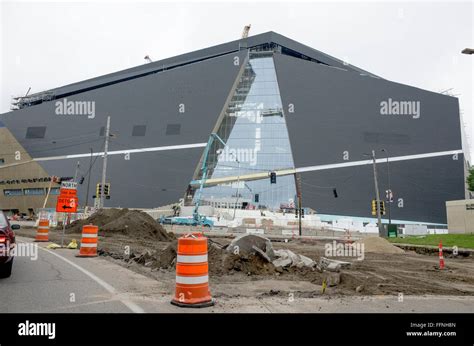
[[49, 44]]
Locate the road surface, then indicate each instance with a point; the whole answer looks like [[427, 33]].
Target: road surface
[[57, 281]]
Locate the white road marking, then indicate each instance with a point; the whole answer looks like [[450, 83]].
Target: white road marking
[[132, 306]]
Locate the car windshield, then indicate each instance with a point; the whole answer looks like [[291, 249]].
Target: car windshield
[[3, 221]]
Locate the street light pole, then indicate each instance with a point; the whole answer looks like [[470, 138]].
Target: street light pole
[[104, 167], [238, 183], [389, 189], [377, 195], [89, 180]]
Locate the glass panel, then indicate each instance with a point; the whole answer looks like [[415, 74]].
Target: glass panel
[[254, 129]]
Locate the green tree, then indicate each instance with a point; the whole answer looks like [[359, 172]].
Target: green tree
[[470, 180]]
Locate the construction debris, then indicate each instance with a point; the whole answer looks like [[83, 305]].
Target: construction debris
[[251, 244], [332, 265], [287, 258]]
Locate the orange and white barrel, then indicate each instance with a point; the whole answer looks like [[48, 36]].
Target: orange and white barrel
[[192, 272], [42, 232], [89, 241], [441, 257]]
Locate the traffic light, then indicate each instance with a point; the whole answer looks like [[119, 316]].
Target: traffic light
[[334, 191], [374, 207], [296, 212], [256, 198], [273, 178], [98, 190], [389, 196], [107, 189], [382, 207], [302, 212]]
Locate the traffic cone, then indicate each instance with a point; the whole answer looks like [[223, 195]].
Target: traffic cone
[[89, 241], [192, 273], [42, 232], [441, 257]]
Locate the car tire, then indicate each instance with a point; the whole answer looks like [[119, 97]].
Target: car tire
[[6, 270]]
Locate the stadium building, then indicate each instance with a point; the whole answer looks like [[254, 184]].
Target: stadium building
[[278, 105]]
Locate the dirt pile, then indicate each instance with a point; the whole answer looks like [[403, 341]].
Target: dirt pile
[[127, 222], [378, 245]]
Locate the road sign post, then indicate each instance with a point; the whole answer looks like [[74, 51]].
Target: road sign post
[[67, 202]]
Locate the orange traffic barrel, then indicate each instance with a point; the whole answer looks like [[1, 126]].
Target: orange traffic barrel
[[42, 232], [192, 272], [89, 241]]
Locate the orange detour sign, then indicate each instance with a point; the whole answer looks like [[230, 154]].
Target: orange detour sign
[[89, 241], [68, 192], [192, 277], [42, 232], [66, 204]]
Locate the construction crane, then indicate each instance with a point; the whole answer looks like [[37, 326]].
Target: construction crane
[[197, 219], [147, 58], [245, 33]]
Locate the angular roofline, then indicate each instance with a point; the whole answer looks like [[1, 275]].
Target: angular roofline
[[197, 56]]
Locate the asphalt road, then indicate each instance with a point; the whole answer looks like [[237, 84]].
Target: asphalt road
[[57, 281]]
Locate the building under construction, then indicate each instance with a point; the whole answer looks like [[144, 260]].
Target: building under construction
[[280, 107]]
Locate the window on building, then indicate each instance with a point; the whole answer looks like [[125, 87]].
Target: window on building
[[139, 130], [13, 192], [54, 191], [173, 129], [2, 161], [36, 132], [34, 191]]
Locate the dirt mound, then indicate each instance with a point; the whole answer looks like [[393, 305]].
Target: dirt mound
[[123, 221], [100, 218], [378, 245]]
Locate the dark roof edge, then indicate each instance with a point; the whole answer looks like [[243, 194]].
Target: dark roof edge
[[196, 56]]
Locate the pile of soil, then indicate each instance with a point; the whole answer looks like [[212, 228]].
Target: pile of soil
[[378, 245], [127, 222]]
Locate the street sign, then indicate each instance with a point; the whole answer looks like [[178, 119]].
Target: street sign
[[66, 204], [68, 192], [68, 185]]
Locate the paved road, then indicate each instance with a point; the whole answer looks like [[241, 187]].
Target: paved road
[[57, 281]]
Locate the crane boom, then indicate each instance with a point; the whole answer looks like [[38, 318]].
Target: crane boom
[[245, 32]]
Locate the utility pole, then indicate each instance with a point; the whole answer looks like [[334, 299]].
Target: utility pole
[[77, 170], [299, 206], [377, 194], [89, 180], [389, 199], [238, 183], [104, 166]]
